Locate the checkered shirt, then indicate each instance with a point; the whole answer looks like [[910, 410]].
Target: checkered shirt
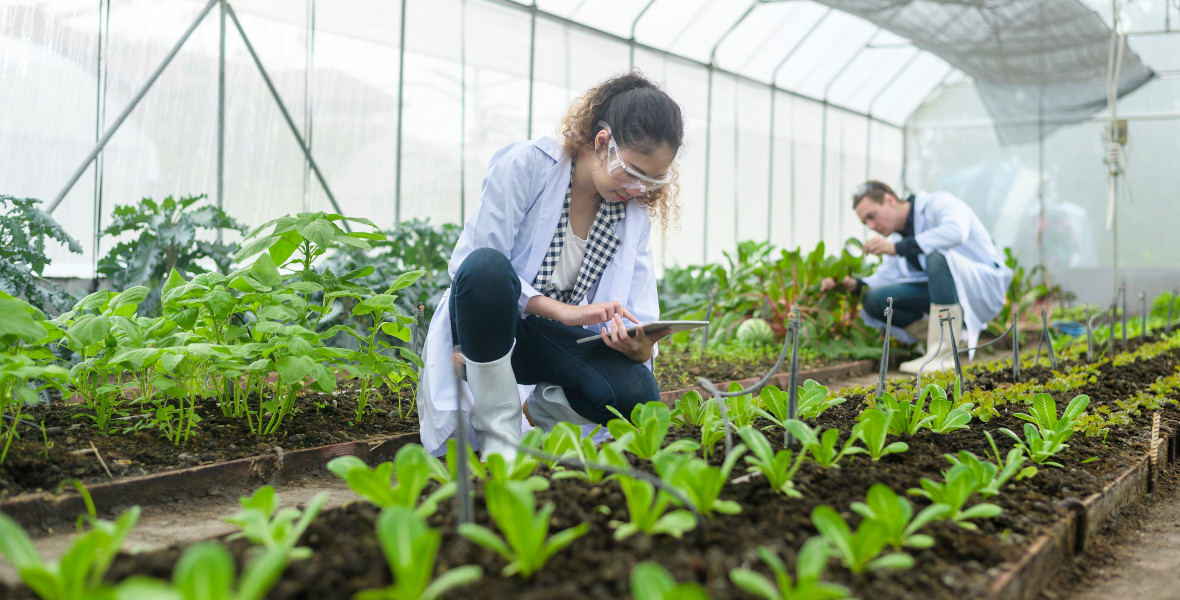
[[599, 250]]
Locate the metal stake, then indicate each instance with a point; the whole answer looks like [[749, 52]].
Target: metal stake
[[950, 325], [1114, 309], [885, 349], [793, 379], [1123, 293], [1143, 327], [1016, 345], [708, 320], [1048, 339]]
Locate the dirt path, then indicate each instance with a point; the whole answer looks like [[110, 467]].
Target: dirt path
[[1136, 556], [160, 526]]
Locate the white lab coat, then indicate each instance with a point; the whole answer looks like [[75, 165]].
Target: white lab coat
[[520, 205], [946, 224]]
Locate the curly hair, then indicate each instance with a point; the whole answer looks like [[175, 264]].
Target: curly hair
[[642, 117]]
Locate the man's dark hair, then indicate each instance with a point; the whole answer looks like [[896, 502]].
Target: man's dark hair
[[873, 190]]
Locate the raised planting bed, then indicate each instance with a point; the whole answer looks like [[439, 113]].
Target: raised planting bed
[[71, 448], [998, 558]]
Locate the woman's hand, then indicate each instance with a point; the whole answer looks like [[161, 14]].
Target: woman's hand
[[638, 346], [848, 283], [599, 312]]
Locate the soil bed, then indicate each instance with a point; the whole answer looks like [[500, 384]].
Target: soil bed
[[317, 420], [961, 563]]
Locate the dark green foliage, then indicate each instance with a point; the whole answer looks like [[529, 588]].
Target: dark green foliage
[[411, 245], [760, 281], [23, 231], [165, 239]]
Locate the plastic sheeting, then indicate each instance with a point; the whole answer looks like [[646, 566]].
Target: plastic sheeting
[[1037, 64]]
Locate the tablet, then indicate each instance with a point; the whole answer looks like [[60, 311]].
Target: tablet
[[653, 327]]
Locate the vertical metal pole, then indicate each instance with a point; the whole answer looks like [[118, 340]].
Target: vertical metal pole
[[1123, 293], [953, 333], [401, 109], [532, 61], [463, 112], [1143, 327], [770, 171], [737, 196], [793, 379], [221, 115], [1048, 339], [708, 159], [885, 348], [1114, 310], [1089, 336], [100, 111], [823, 170], [309, 72], [1015, 344]]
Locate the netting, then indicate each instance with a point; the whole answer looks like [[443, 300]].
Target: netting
[[1037, 64]]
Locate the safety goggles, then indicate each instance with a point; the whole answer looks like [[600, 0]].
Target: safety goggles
[[623, 174]]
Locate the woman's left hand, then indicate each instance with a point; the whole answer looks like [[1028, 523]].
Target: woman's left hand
[[638, 346]]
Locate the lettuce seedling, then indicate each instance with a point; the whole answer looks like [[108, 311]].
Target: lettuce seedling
[[741, 410], [812, 401], [777, 467], [691, 410], [822, 446], [526, 543], [206, 572], [521, 469], [961, 482], [410, 548], [646, 505], [1044, 415], [414, 470], [474, 466], [265, 525], [1007, 467], [650, 581], [712, 432], [700, 482], [944, 415], [895, 513], [858, 551], [649, 425], [79, 574], [873, 430], [566, 440], [810, 564]]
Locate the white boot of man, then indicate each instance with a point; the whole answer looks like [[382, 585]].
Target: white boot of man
[[943, 357], [496, 414]]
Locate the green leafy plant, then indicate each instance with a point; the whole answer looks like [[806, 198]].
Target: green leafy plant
[[397, 483], [777, 467], [650, 581], [526, 543], [264, 524], [647, 428], [206, 572], [700, 482], [961, 481], [873, 429], [410, 548], [812, 401], [79, 574], [712, 432], [822, 446], [1007, 466], [897, 516], [164, 236], [647, 506], [1045, 434], [566, 440], [859, 551], [810, 564], [23, 231], [691, 410]]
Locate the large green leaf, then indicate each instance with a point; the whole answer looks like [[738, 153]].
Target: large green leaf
[[320, 232], [265, 271], [294, 368], [15, 320], [89, 329]]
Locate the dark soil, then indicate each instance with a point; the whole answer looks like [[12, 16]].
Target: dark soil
[[680, 370], [960, 565], [318, 419]]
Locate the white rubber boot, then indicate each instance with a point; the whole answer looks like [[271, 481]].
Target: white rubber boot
[[919, 329], [943, 358], [497, 412], [548, 406]]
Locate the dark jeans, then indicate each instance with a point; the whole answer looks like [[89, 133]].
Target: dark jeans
[[485, 320], [912, 300]]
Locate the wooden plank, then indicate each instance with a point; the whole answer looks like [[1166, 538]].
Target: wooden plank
[[44, 511]]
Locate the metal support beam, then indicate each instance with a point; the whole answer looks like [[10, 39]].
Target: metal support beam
[[221, 113], [130, 107], [401, 110], [283, 109]]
